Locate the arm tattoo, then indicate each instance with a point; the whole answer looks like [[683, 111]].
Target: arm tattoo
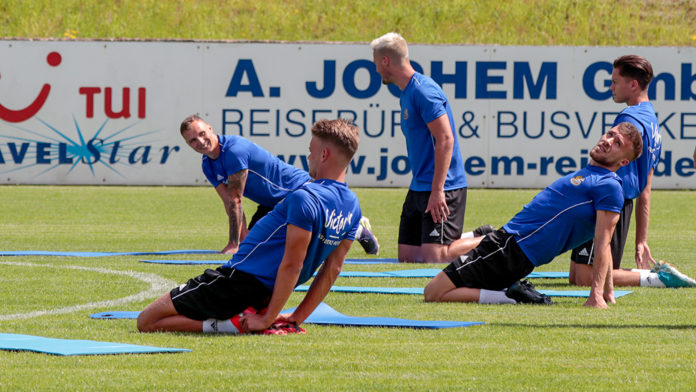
[[235, 189]]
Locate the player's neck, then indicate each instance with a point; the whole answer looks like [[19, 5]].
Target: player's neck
[[642, 97], [331, 173], [404, 77], [611, 168], [216, 150]]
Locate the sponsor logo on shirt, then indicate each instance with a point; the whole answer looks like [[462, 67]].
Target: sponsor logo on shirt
[[337, 223], [577, 180]]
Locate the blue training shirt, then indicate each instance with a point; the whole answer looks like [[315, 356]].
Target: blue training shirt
[[423, 101], [327, 208], [635, 174], [563, 215], [269, 179]]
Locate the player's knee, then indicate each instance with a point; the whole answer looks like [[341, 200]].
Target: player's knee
[[143, 323], [583, 275], [435, 254], [431, 294]]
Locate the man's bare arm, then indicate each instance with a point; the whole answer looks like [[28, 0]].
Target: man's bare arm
[[442, 132], [322, 282], [231, 195], [296, 243], [643, 256], [602, 286]]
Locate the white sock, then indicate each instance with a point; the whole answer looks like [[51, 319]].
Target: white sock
[[358, 233], [219, 326], [494, 297], [468, 234], [649, 279]]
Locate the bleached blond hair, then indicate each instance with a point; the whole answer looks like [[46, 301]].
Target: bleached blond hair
[[392, 45]]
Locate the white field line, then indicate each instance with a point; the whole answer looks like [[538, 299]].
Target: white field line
[[158, 286]]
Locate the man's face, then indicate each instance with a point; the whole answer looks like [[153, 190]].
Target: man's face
[[612, 148], [380, 63], [621, 87], [315, 155], [200, 137]]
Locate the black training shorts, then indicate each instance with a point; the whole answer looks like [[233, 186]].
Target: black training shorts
[[219, 294], [417, 227], [495, 264], [261, 211]]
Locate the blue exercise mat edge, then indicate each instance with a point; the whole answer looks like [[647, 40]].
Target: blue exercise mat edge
[[326, 315], [69, 347]]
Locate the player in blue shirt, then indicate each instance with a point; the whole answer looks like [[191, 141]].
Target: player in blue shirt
[[570, 211], [314, 225], [237, 167], [630, 78], [433, 212]]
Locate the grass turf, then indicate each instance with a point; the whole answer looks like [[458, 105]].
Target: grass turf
[[504, 22], [521, 347]]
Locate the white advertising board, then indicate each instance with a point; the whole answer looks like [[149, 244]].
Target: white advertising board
[[103, 112]]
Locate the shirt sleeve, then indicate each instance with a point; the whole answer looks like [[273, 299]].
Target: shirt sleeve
[[608, 195], [235, 157], [209, 173], [302, 209], [430, 103]]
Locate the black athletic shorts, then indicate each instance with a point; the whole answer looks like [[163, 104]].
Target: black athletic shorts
[[261, 211], [584, 254], [219, 294], [417, 227], [495, 264]]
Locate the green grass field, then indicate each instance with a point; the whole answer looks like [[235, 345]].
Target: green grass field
[[645, 342], [504, 22]]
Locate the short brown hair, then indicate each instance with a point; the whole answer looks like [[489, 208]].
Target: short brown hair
[[342, 133], [635, 67], [188, 121], [630, 130]]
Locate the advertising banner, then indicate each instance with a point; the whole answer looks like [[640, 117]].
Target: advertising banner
[[108, 112]]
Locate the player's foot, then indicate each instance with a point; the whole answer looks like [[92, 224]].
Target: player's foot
[[671, 277], [366, 238], [523, 292], [288, 328], [483, 230]]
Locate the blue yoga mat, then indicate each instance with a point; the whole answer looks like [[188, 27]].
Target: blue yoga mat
[[220, 262], [419, 291], [326, 315], [103, 254], [15, 342]]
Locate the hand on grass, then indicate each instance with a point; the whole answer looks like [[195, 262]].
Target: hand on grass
[[254, 323], [643, 257]]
